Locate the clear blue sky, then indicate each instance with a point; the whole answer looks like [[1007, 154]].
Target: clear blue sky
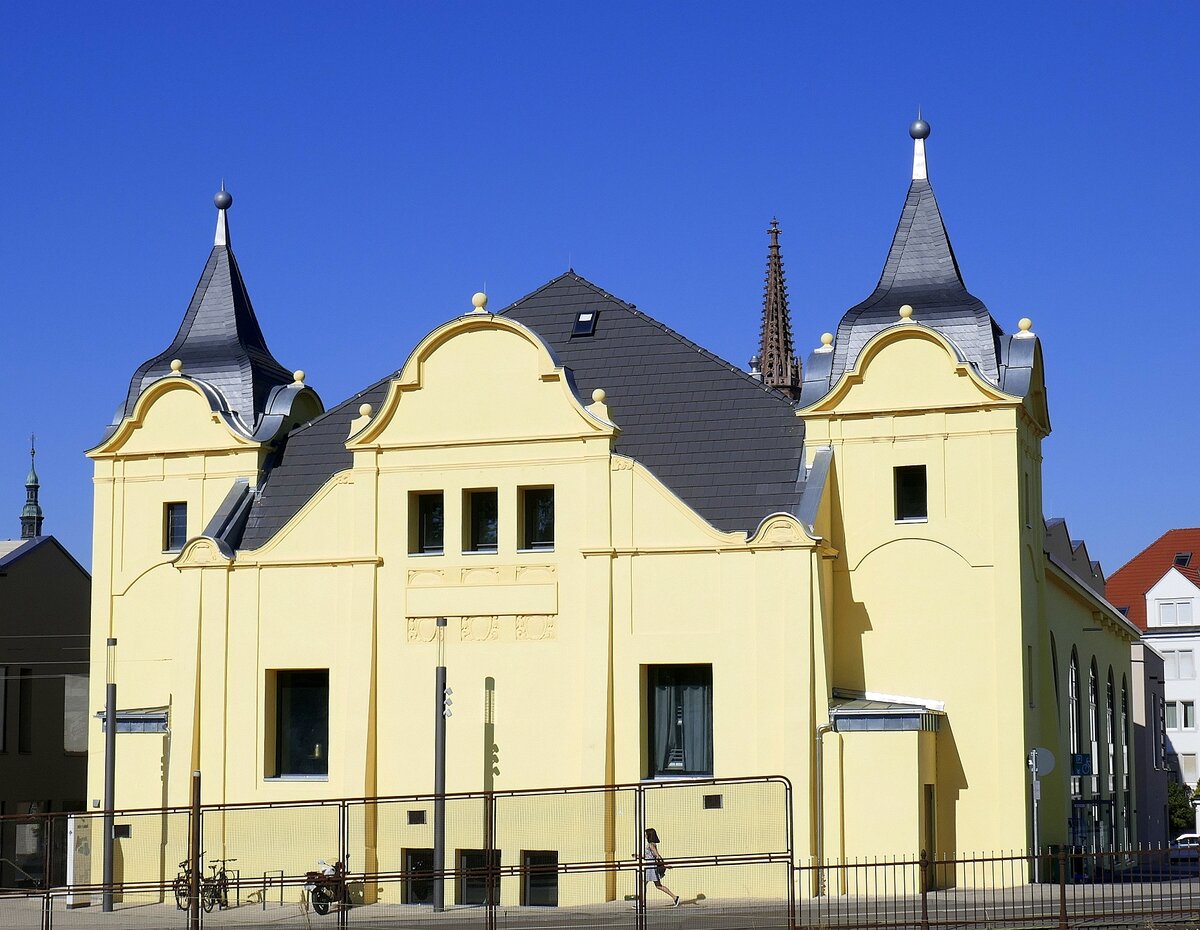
[[388, 160]]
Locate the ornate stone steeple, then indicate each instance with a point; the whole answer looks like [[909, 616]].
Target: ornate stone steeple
[[776, 358], [31, 513]]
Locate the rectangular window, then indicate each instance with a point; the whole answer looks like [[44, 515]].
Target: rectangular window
[[1172, 716], [1188, 763], [1187, 664], [537, 518], [3, 710], [539, 885], [1179, 664], [680, 715], [418, 876], [1187, 711], [585, 323], [482, 527], [911, 493], [174, 527], [25, 711], [1175, 613], [472, 881], [301, 717], [426, 511], [75, 704]]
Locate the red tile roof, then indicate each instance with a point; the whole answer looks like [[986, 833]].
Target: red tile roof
[[1127, 586]]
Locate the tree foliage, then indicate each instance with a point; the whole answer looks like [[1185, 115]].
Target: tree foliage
[[1179, 808]]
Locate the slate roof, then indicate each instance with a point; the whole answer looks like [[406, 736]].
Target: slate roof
[[729, 447], [219, 341], [1128, 585], [921, 270]]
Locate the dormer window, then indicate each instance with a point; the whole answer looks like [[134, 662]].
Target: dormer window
[[1183, 559], [585, 323]]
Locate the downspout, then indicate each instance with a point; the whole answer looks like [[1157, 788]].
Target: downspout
[[819, 820]]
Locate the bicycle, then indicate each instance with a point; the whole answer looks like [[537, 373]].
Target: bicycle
[[215, 888], [182, 886]]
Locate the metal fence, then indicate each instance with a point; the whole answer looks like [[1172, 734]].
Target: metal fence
[[536, 859]]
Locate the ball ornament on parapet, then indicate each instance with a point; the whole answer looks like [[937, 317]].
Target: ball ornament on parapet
[[223, 199], [919, 129]]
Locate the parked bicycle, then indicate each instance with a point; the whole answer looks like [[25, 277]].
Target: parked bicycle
[[327, 886], [182, 885], [215, 889]]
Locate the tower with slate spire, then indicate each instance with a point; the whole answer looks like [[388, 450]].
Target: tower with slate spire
[[31, 513], [776, 358]]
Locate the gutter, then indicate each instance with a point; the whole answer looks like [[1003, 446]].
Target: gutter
[[819, 785]]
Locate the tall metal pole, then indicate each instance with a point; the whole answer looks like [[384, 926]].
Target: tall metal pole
[[110, 772], [194, 857], [439, 776]]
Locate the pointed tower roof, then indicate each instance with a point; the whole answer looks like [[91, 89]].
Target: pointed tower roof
[[31, 513], [219, 340], [776, 357], [921, 270]]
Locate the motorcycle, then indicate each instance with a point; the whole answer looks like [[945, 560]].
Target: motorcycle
[[326, 886]]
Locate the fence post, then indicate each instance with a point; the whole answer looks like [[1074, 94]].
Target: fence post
[[492, 883], [640, 885], [195, 859], [924, 889], [1062, 888], [344, 856]]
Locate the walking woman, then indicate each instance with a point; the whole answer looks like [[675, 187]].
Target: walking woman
[[655, 868]]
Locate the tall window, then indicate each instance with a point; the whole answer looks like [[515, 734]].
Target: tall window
[[1161, 742], [25, 711], [1073, 702], [473, 884], [537, 518], [75, 719], [3, 708], [481, 527], [1125, 735], [1110, 730], [301, 737], [681, 720], [912, 501], [174, 527], [428, 534], [539, 887]]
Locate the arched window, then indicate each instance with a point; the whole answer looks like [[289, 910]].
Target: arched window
[[1110, 730], [1054, 668], [1126, 799], [1073, 721], [1094, 708]]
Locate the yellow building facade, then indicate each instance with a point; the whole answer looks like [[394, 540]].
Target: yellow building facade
[[652, 567]]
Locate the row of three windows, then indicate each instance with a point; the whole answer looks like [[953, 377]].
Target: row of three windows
[[482, 524]]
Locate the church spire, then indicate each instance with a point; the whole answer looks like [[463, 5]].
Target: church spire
[[31, 513], [779, 366]]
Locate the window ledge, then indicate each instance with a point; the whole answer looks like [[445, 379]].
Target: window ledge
[[913, 520], [535, 550], [425, 555], [656, 778], [481, 552], [275, 778]]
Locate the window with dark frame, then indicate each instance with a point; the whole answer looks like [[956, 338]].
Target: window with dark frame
[[472, 883], [418, 881], [585, 323], [482, 523], [537, 518], [301, 722], [912, 501], [430, 528], [174, 527], [539, 877], [680, 717], [1183, 559], [4, 679]]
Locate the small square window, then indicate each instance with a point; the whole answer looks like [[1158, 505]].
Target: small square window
[[912, 501], [174, 527], [481, 516], [416, 818], [585, 323], [714, 802], [537, 518], [427, 526], [1183, 559]]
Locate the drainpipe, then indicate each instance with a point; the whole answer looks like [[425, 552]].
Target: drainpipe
[[820, 809]]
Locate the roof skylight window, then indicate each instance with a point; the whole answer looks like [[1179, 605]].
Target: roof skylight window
[[1183, 559], [585, 323]]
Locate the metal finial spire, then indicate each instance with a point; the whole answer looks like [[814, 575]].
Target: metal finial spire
[[919, 131], [223, 200]]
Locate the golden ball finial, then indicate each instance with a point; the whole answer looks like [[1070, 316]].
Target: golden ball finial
[[598, 396], [365, 410], [298, 375], [479, 301], [906, 312], [176, 366], [1025, 324], [827, 339]]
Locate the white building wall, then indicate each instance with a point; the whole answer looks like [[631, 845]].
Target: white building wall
[[1179, 644]]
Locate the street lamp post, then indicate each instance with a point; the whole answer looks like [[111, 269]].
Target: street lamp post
[[110, 771], [442, 704]]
